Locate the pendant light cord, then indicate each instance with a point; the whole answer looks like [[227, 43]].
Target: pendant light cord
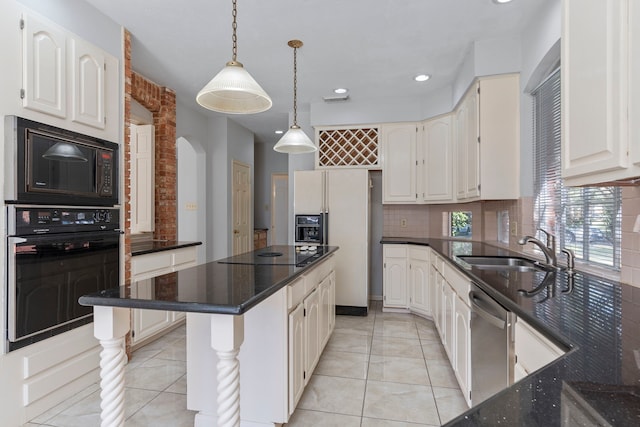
[[295, 86], [234, 25]]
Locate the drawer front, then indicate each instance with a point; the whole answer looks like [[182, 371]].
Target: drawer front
[[395, 251], [460, 283], [295, 293], [419, 253], [184, 256], [159, 261]]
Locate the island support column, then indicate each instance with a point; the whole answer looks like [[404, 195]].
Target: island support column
[[227, 335], [110, 325]]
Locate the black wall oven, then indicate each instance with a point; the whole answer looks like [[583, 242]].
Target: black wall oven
[[54, 256], [48, 165], [311, 229]]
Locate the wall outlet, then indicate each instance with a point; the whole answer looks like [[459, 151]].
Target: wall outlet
[[403, 223], [513, 225]]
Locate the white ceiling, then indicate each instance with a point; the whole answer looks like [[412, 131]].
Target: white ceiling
[[372, 47]]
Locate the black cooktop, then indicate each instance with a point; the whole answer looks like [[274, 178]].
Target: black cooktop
[[278, 255]]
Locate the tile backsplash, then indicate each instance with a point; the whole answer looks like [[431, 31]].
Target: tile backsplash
[[426, 221]]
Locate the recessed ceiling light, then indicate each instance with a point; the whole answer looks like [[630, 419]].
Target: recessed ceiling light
[[422, 77], [341, 90], [279, 132], [501, 1]]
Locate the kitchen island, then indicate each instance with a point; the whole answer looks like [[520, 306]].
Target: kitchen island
[[238, 299], [597, 381]]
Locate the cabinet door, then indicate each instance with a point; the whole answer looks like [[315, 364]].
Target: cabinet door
[[87, 84], [142, 178], [399, 162], [309, 192], [437, 170], [473, 147], [435, 281], [419, 285], [325, 310], [44, 67], [395, 276], [447, 317], [312, 332], [462, 360], [594, 103], [296, 356], [461, 136], [147, 323]]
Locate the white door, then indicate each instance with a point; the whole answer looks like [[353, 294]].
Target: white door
[[279, 209], [241, 208], [142, 178]]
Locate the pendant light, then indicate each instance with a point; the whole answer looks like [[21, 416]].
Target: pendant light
[[64, 152], [233, 90], [295, 141]]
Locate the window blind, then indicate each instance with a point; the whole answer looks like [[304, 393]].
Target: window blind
[[584, 219]]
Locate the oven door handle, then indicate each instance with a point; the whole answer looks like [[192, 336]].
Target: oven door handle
[[16, 240]]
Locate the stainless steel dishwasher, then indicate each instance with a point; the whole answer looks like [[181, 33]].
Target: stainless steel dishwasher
[[492, 355]]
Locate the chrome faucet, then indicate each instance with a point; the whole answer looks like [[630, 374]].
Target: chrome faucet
[[548, 249], [571, 264]]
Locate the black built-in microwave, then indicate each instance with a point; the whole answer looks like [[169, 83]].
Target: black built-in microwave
[[48, 165]]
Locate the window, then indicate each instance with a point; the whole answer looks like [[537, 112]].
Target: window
[[460, 224], [584, 219]]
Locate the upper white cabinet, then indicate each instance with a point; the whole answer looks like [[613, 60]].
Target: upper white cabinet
[[399, 162], [67, 81], [487, 134], [87, 84], [435, 148], [600, 108], [44, 67]]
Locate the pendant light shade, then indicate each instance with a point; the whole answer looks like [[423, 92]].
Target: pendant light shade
[[233, 90], [295, 141], [64, 152]]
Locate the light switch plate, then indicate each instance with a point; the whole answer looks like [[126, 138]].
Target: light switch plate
[[403, 223], [513, 225]]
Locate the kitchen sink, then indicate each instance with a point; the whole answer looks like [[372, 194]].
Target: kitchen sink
[[503, 263]]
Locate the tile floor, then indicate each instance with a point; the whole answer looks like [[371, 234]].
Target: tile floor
[[386, 369]]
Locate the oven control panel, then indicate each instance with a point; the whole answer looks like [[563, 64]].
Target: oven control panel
[[26, 220]]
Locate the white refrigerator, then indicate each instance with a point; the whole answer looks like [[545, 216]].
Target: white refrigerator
[[343, 195]]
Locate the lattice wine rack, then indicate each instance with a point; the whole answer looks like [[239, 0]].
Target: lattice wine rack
[[348, 147]]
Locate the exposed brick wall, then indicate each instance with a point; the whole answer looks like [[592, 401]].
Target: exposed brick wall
[[161, 101]]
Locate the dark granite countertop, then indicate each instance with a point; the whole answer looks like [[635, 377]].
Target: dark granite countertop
[[151, 246], [214, 287], [597, 319]]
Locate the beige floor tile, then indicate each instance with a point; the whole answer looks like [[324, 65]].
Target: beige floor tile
[[306, 418], [450, 403], [400, 402], [176, 350], [441, 374], [333, 394], [398, 369], [180, 386], [374, 422], [343, 364], [42, 418], [354, 325], [166, 410], [349, 343], [391, 346], [396, 328], [434, 350], [155, 374]]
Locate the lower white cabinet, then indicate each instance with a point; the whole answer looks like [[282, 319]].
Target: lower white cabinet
[[147, 324], [446, 319], [419, 292], [311, 303], [395, 276], [532, 349], [462, 358]]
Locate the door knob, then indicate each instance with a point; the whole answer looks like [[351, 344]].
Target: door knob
[[236, 232]]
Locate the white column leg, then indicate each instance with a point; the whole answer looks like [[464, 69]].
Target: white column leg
[[111, 324], [227, 334]]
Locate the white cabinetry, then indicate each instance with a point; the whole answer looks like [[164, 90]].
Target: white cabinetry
[[142, 178], [462, 358], [395, 276], [419, 286], [399, 162], [311, 304], [435, 160], [148, 323], [532, 349], [600, 109], [67, 81], [487, 140]]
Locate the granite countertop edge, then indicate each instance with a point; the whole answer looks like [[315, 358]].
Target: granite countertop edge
[[142, 248]]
